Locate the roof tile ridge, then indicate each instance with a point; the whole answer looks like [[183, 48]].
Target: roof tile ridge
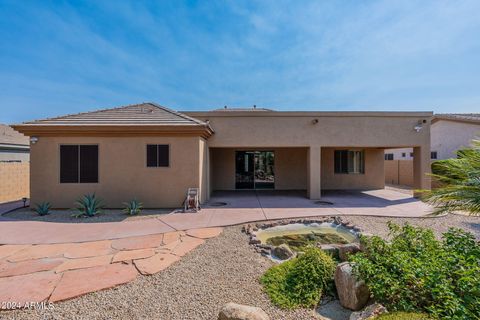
[[176, 113]]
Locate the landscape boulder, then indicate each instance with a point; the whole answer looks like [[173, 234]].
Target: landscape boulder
[[352, 293], [234, 311], [347, 249], [282, 252], [369, 313]]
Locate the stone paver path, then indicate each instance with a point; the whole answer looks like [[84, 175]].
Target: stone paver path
[[56, 272]]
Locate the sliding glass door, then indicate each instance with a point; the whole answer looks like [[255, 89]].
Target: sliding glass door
[[254, 170]]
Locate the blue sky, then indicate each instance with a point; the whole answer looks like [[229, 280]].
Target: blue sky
[[61, 57]]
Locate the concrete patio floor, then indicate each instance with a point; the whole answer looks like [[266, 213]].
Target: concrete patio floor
[[241, 207]]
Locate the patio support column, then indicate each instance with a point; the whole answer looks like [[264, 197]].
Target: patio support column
[[314, 173], [421, 168]]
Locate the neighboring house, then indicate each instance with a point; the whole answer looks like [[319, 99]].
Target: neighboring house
[[449, 132], [14, 146], [155, 154], [14, 164]]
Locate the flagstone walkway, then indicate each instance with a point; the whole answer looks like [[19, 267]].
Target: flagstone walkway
[[56, 272]]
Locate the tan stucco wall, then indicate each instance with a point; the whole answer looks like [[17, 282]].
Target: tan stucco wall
[[297, 129], [373, 178], [290, 168], [204, 171], [14, 181], [123, 174], [399, 172]]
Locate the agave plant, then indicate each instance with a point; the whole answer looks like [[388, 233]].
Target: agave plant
[[43, 208], [88, 206], [133, 207], [459, 181]]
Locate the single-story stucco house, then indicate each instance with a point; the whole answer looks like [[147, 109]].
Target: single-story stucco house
[[154, 154]]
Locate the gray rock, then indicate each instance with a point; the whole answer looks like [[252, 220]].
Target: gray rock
[[370, 312], [233, 311], [282, 252], [347, 249], [353, 293]]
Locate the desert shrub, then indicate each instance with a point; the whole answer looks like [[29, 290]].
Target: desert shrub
[[415, 272], [43, 208], [403, 316], [301, 281], [133, 207], [88, 206]]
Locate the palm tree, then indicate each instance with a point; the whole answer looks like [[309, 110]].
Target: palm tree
[[459, 181]]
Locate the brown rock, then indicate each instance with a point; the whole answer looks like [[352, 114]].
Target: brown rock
[[8, 250], [352, 293], [40, 251], [9, 269], [82, 263], [78, 282], [282, 252], [187, 245], [204, 233], [89, 249], [133, 254], [347, 249], [135, 243], [234, 311], [156, 263], [35, 287]]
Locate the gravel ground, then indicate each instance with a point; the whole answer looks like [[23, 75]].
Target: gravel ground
[[108, 215], [224, 269]]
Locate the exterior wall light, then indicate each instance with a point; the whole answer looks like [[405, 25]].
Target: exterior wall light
[[418, 127], [314, 121], [33, 140]]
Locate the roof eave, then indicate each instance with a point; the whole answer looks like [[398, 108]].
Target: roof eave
[[204, 131]]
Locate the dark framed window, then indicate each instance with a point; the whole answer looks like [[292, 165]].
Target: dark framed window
[[388, 156], [411, 154], [158, 155], [79, 164], [349, 161], [433, 155], [404, 154]]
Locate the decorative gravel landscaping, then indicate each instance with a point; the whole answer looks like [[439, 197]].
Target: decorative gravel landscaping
[[66, 215], [224, 269]]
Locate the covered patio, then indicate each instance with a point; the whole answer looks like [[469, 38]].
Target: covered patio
[[242, 206]]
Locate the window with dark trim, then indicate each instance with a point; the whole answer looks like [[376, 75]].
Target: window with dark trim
[[349, 161], [78, 164], [388, 156], [158, 155], [433, 155], [411, 154]]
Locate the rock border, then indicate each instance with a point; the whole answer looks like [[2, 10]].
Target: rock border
[[251, 230]]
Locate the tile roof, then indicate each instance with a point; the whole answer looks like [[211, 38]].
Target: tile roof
[[464, 117], [10, 136], [137, 114]]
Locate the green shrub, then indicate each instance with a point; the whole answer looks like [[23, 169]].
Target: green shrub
[[133, 207], [300, 281], [88, 206], [415, 272], [43, 208], [403, 316]]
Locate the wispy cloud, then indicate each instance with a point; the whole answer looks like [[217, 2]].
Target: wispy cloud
[[388, 55]]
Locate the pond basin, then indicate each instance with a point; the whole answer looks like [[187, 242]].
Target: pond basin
[[298, 235]]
